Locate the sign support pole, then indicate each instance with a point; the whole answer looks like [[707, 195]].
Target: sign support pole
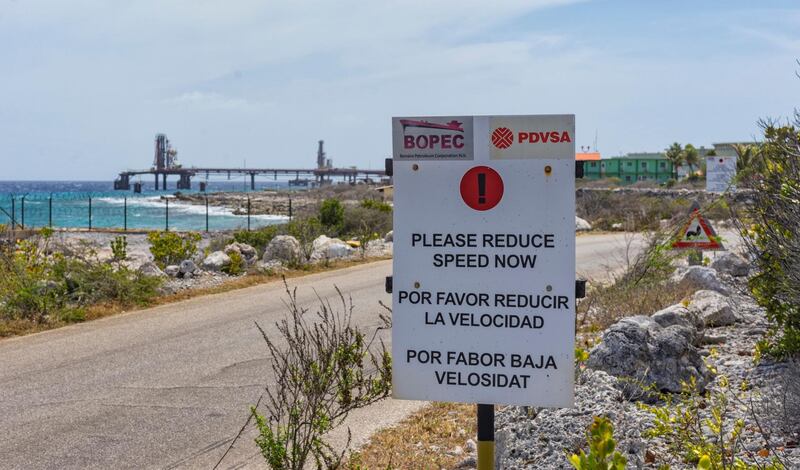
[[695, 257], [485, 437]]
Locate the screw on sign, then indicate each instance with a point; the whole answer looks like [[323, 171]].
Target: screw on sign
[[481, 188], [502, 137]]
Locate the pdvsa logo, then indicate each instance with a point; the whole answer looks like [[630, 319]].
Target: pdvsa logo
[[503, 137]]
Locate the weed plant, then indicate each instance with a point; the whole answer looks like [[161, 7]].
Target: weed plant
[[43, 285], [169, 248], [770, 227], [324, 367]]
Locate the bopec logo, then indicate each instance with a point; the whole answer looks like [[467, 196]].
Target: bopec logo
[[503, 137], [444, 135]]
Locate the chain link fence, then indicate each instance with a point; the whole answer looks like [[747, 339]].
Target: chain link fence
[[89, 211]]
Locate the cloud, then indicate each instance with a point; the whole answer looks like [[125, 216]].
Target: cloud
[[264, 80], [212, 101], [785, 42]]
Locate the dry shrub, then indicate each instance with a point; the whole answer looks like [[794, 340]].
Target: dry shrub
[[636, 212], [643, 211], [324, 367], [642, 289], [612, 182], [608, 304]]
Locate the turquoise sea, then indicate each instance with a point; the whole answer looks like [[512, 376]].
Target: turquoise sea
[[66, 204]]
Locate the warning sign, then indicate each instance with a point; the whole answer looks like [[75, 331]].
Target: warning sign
[[481, 188], [484, 266], [698, 233]]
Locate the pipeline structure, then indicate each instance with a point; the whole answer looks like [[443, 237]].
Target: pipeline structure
[[165, 163]]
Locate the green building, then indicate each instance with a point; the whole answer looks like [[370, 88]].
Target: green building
[[630, 168]]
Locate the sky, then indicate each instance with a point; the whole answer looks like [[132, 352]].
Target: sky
[[86, 84]]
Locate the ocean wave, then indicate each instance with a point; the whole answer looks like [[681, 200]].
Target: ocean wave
[[184, 208]]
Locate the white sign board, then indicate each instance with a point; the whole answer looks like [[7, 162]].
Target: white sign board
[[720, 172], [484, 259]]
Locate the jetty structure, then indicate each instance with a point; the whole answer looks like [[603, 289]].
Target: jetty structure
[[165, 163]]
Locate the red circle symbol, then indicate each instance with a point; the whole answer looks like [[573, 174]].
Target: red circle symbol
[[502, 137], [481, 188]]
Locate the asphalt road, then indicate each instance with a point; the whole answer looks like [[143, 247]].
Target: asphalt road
[[169, 387]]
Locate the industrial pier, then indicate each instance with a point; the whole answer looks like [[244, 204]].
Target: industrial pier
[[166, 164]]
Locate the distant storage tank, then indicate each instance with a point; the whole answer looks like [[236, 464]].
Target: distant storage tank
[[329, 163]]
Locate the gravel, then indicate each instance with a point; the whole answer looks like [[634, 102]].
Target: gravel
[[534, 438]]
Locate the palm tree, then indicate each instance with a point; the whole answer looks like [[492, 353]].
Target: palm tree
[[748, 162], [691, 156], [675, 155]]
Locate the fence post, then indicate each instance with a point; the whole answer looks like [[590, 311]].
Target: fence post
[[125, 214], [248, 213], [290, 208], [90, 213], [206, 214], [166, 213], [50, 211], [13, 214], [22, 209]]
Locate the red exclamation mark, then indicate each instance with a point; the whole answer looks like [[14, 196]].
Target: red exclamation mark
[[481, 188]]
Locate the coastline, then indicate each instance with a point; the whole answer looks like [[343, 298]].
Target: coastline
[[282, 202]]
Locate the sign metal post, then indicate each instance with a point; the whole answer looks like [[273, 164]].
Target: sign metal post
[[485, 437], [483, 284]]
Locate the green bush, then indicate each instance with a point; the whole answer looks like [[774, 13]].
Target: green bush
[[258, 239], [602, 455], [172, 248], [376, 204], [331, 213], [237, 265], [324, 368], [770, 228], [359, 220], [119, 248], [698, 429], [43, 286], [92, 283], [305, 230]]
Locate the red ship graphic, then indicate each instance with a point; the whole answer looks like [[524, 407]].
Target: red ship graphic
[[450, 126]]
